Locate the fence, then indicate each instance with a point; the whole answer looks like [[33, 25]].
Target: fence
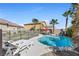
[[17, 35], [0, 42]]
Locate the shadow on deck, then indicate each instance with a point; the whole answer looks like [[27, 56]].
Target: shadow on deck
[[59, 53]]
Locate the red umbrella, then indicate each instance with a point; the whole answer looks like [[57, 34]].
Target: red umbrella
[[45, 29]]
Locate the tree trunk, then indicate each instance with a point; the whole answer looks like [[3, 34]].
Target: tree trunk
[[66, 23], [53, 28]]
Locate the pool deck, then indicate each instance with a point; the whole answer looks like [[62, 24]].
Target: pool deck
[[38, 49], [49, 54]]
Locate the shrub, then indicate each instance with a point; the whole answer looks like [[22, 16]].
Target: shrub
[[69, 32]]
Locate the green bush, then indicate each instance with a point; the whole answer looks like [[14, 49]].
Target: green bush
[[69, 31]]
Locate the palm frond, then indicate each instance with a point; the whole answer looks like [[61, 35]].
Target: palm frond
[[54, 21]]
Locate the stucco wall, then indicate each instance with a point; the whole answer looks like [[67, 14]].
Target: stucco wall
[[37, 26]]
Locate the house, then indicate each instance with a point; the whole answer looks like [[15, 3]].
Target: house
[[41, 25], [7, 25], [38, 26]]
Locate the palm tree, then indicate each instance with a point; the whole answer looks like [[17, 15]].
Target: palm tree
[[34, 20], [67, 14], [74, 7], [73, 10], [53, 22]]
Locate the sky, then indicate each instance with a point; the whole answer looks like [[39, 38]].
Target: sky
[[22, 13]]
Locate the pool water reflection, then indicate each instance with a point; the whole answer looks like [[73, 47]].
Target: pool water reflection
[[59, 41]]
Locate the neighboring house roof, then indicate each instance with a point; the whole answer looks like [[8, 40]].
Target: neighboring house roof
[[6, 22], [31, 23], [40, 22]]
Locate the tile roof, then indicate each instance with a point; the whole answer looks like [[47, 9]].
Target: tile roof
[[6, 22], [35, 23]]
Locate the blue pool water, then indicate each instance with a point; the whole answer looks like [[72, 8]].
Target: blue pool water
[[59, 41]]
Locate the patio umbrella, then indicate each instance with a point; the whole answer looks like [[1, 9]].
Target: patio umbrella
[[45, 29]]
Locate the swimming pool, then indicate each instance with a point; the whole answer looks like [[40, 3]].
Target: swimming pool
[[58, 41]]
